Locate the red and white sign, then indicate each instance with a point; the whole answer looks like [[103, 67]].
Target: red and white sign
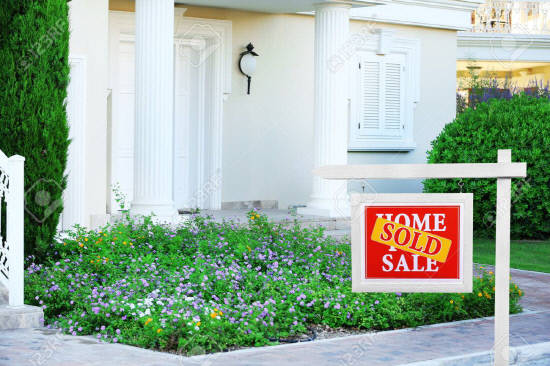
[[412, 243]]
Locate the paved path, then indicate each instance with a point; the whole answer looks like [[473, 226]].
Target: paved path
[[529, 329]]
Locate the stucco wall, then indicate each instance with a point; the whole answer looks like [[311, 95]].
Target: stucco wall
[[268, 135], [89, 21]]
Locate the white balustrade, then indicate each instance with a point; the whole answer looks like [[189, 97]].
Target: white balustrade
[[11, 227], [515, 17]]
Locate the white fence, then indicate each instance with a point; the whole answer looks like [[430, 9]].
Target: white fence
[[11, 227], [516, 17]]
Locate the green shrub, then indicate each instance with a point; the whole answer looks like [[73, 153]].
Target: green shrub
[[34, 75], [521, 124]]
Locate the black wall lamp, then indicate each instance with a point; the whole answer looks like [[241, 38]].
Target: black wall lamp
[[247, 63]]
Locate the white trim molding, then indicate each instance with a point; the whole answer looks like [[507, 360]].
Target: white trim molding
[[503, 48], [441, 14], [75, 193]]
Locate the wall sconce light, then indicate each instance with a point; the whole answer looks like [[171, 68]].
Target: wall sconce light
[[247, 63]]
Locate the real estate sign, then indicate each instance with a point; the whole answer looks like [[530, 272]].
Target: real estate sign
[[412, 242]]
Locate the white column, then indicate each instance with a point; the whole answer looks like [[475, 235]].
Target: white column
[[154, 109], [331, 107]]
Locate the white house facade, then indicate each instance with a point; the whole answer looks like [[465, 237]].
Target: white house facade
[[157, 102]]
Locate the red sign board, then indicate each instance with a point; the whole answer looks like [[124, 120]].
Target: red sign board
[[420, 244]]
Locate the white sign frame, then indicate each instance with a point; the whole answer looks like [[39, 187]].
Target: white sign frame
[[360, 201], [504, 170]]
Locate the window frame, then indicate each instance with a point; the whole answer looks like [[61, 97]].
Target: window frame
[[383, 43]]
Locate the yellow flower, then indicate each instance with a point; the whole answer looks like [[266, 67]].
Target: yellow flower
[[462, 296], [81, 245], [519, 292], [252, 218], [124, 242], [221, 313], [148, 321], [198, 324], [159, 330], [64, 244], [92, 261], [493, 288], [85, 239], [491, 272], [258, 216], [215, 309], [480, 294], [516, 287], [249, 248], [456, 307], [213, 315], [451, 301]]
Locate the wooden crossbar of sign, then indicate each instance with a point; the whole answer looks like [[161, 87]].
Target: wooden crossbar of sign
[[423, 171]]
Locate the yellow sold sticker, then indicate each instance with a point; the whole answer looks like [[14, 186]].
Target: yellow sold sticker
[[411, 240]]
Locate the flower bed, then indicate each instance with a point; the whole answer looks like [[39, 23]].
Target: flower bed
[[222, 285]]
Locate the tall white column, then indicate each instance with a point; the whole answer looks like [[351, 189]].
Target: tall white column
[[330, 103], [154, 109]]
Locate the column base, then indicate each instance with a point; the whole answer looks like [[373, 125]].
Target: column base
[[326, 208], [159, 210]]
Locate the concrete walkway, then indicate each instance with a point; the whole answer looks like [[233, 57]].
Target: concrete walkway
[[459, 343]]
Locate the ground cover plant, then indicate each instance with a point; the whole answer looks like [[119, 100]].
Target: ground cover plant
[[219, 286]]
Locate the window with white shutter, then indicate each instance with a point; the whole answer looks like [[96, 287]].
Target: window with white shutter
[[381, 115]]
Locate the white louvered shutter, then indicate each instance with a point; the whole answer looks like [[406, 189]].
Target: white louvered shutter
[[370, 96], [381, 96]]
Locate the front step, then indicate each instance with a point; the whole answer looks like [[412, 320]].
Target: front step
[[27, 317], [340, 235]]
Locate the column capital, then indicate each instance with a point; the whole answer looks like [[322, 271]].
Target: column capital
[[345, 3]]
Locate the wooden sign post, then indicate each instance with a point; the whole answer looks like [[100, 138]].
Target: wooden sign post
[[380, 225]]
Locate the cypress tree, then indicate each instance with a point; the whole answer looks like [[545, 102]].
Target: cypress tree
[[34, 64]]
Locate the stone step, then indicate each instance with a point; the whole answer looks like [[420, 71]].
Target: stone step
[[341, 235], [27, 317], [329, 223]]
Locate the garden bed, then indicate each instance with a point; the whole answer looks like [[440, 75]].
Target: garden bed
[[220, 286]]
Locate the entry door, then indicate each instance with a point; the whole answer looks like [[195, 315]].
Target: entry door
[[189, 113], [189, 108]]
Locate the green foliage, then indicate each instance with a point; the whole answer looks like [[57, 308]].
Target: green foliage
[[208, 286], [520, 124], [34, 49]]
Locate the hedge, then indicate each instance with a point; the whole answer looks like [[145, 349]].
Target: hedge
[[34, 74], [521, 124]]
